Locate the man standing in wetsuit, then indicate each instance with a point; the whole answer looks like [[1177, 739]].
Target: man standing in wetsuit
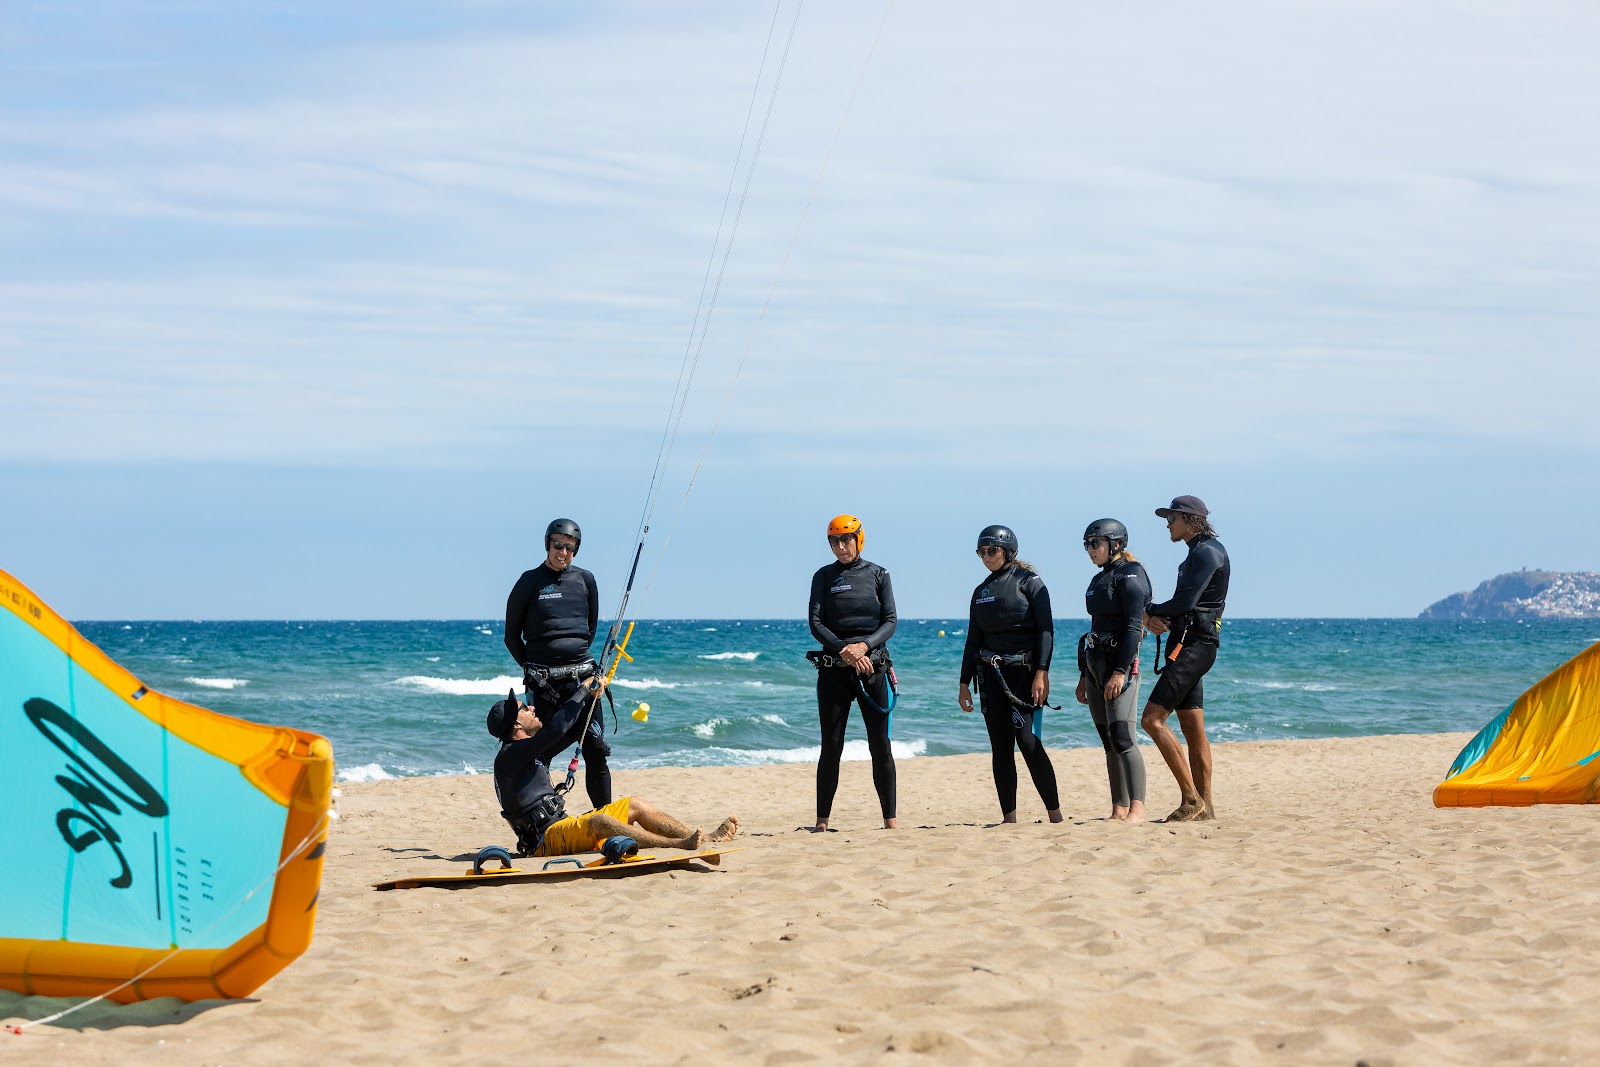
[[551, 616], [852, 614], [1192, 621]]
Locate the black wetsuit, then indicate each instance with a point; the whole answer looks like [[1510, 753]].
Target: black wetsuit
[[1195, 615], [1010, 614], [528, 799], [853, 604], [1116, 600], [551, 617]]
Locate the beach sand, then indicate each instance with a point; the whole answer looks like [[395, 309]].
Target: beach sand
[[1330, 915]]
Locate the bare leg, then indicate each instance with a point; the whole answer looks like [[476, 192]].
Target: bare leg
[[645, 819], [1154, 722], [1192, 721]]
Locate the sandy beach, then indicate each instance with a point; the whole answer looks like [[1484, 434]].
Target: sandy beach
[[1331, 915]]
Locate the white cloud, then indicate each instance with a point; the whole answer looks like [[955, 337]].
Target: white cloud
[[1322, 227]]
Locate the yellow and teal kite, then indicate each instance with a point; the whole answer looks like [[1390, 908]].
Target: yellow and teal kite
[[1542, 749], [153, 848]]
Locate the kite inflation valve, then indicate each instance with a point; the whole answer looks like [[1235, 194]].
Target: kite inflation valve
[[641, 713]]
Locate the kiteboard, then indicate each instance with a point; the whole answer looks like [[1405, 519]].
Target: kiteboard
[[560, 867]]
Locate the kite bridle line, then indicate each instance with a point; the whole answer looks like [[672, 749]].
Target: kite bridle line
[[305, 842]]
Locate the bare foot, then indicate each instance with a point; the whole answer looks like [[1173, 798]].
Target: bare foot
[[725, 832], [1056, 816], [1135, 814], [821, 827], [1209, 814], [1118, 814], [692, 841], [1187, 811], [1008, 817], [891, 824]]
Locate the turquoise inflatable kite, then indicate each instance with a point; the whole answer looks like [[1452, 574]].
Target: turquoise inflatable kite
[[154, 848]]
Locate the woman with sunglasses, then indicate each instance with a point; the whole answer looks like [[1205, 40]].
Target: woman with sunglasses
[[1108, 659], [1010, 636], [852, 614]]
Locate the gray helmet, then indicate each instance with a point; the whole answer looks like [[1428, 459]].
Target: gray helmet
[[999, 537], [1111, 530], [566, 528]]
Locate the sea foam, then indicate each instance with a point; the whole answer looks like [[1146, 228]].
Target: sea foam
[[462, 687], [746, 656], [367, 772], [644, 683], [218, 683]]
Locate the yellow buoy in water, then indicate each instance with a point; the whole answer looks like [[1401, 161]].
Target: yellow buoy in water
[[941, 633], [641, 713]]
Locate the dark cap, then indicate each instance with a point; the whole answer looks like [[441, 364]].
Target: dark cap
[[502, 719], [1184, 505]]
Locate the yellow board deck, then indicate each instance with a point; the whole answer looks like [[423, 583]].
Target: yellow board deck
[[562, 867]]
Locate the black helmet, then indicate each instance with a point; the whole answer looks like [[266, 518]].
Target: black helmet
[[566, 528], [999, 537], [1110, 529]]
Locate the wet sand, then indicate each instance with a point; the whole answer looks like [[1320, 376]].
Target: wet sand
[[1330, 915]]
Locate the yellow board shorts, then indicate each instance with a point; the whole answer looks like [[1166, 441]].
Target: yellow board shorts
[[572, 835]]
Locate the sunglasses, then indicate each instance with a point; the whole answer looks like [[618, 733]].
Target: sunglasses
[[557, 546], [841, 539], [1092, 543], [991, 550]]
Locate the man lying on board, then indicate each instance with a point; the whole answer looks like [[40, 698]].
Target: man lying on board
[[537, 812]]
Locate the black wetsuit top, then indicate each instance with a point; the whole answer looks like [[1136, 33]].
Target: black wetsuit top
[[551, 616], [1116, 601], [850, 603], [1010, 612], [1202, 586], [522, 768]]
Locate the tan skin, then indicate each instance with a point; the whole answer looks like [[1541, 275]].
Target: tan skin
[[995, 558], [1099, 549], [647, 824], [846, 549], [1194, 773], [559, 552]]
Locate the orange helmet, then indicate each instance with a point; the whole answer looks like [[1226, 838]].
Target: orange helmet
[[843, 525]]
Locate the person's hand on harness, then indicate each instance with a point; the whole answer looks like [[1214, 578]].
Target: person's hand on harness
[[1156, 624], [1040, 694], [964, 698], [855, 656], [1115, 685], [1083, 689]]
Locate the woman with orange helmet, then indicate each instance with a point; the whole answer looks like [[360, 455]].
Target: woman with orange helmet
[[852, 614]]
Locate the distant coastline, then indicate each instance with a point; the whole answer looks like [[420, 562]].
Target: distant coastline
[[1525, 594]]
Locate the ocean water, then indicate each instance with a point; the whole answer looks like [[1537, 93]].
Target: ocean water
[[409, 698]]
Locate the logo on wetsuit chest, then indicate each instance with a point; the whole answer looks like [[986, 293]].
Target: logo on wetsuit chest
[[550, 594], [839, 589], [985, 598]]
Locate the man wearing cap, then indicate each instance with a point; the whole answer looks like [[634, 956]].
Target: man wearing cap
[[536, 811], [551, 617], [1192, 621]]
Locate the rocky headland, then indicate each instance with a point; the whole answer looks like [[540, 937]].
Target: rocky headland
[[1525, 594]]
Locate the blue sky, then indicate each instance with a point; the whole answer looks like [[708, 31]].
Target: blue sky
[[323, 310]]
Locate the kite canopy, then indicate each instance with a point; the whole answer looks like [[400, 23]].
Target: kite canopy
[[1540, 750], [143, 833]]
